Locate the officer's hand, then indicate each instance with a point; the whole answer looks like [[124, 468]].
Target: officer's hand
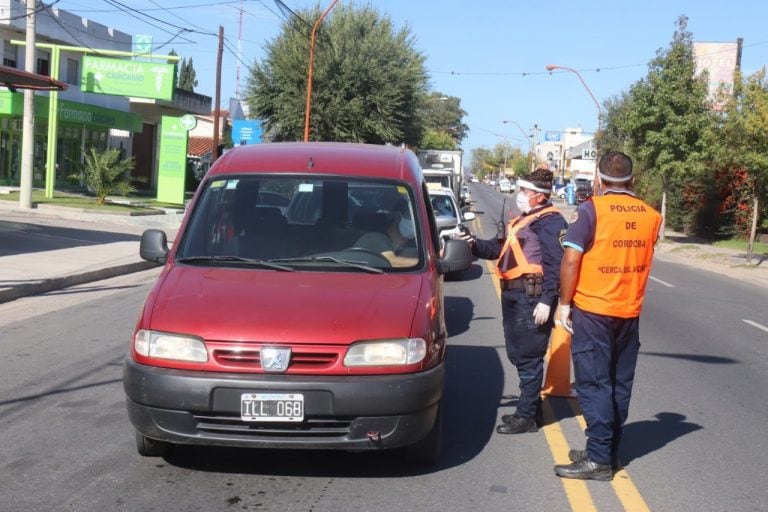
[[541, 313], [564, 315], [470, 239]]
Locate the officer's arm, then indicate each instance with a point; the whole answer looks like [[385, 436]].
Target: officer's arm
[[550, 229], [486, 249], [569, 274]]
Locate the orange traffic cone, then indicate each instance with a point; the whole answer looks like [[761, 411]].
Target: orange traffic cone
[[557, 379]]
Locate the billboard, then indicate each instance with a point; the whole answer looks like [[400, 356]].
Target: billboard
[[131, 78], [720, 61]]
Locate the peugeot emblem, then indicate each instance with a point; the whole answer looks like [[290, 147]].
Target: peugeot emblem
[[274, 359]]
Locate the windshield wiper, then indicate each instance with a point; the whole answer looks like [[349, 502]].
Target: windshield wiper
[[322, 259], [237, 259]]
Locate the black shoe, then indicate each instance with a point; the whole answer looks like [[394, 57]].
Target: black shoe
[[512, 424], [585, 470], [577, 455], [580, 455]]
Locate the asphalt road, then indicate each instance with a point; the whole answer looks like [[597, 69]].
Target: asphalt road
[[694, 440]]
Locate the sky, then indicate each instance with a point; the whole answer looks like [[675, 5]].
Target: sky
[[491, 54]]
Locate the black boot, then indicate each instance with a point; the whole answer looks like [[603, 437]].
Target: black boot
[[585, 470], [513, 424], [580, 455]]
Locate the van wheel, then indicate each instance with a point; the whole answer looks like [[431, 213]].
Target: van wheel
[[426, 452], [151, 447]]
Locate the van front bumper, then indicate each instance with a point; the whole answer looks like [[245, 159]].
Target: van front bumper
[[362, 412]]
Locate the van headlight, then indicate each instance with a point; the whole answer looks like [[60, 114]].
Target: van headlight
[[163, 345], [386, 352]]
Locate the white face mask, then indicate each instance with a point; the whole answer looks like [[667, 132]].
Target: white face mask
[[523, 202], [406, 228]]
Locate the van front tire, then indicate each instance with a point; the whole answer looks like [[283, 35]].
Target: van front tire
[[427, 451], [151, 447]]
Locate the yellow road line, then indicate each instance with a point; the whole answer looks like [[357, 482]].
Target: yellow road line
[[576, 490], [622, 484]]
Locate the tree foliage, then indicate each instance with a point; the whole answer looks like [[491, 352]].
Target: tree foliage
[[442, 114], [437, 139], [368, 81], [187, 76], [661, 123], [106, 172]]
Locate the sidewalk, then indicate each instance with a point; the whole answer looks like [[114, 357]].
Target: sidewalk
[[50, 248]]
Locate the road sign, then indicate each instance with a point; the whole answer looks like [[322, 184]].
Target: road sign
[[552, 136]]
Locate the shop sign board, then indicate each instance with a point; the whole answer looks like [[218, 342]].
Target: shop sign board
[[72, 112], [172, 162], [246, 132], [132, 78]]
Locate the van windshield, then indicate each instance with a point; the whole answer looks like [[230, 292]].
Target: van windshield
[[305, 223]]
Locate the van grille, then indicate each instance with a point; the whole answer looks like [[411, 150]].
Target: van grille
[[250, 359]]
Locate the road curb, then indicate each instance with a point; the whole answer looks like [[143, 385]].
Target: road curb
[[57, 283]]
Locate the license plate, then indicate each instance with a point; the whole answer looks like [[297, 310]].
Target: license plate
[[272, 407]]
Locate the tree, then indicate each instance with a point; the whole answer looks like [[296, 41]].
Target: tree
[[444, 114], [437, 139], [368, 80], [744, 128], [187, 76], [661, 122], [106, 172]]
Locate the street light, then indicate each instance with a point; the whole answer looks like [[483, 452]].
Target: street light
[[309, 71], [528, 137], [552, 67]]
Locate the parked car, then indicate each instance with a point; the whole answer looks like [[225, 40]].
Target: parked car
[[444, 205], [505, 186], [558, 189], [270, 331], [583, 190]]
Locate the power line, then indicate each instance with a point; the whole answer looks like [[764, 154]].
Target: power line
[[36, 11]]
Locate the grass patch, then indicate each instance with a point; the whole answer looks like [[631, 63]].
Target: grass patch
[[740, 244], [73, 201]]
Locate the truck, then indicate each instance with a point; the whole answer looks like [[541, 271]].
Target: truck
[[445, 167]]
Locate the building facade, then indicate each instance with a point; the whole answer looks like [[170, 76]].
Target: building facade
[[85, 120]]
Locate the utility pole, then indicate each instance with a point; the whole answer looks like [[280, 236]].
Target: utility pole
[[28, 122], [215, 149]]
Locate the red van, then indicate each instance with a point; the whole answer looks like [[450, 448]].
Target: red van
[[301, 306]]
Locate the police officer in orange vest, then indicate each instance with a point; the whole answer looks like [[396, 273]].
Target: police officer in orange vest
[[528, 265], [608, 252]]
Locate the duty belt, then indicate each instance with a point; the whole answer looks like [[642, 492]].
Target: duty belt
[[512, 284]]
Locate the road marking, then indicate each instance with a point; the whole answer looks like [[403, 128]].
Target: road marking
[[576, 490], [622, 484], [662, 282], [755, 324]]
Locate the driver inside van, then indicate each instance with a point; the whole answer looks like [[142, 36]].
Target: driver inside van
[[398, 243]]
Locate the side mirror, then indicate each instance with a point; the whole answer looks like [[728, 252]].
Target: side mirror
[[457, 256], [446, 222], [468, 216], [154, 246]]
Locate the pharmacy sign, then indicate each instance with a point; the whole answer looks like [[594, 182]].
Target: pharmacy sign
[[131, 78]]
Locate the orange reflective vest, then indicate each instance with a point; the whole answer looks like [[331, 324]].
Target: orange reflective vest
[[614, 271], [512, 262]]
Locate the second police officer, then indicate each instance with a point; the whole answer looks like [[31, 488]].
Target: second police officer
[[528, 266]]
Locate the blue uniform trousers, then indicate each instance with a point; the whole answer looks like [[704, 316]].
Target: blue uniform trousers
[[526, 345], [604, 351]]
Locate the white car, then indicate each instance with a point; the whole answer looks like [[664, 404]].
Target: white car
[[449, 217], [505, 186]]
